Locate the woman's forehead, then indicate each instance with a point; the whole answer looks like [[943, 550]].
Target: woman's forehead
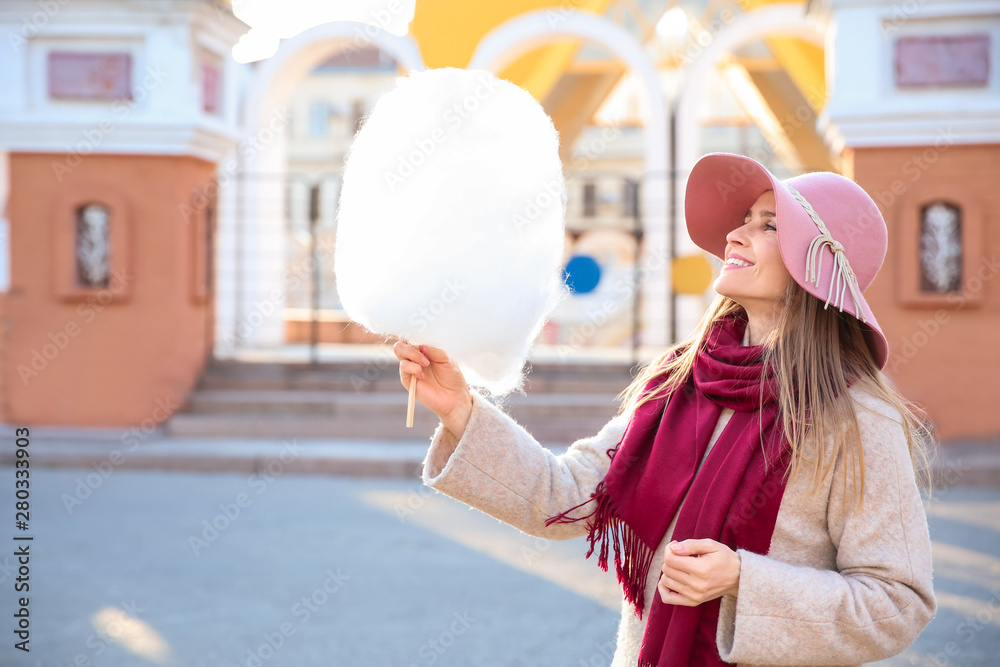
[[765, 200]]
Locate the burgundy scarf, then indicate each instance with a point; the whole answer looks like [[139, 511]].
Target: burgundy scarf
[[734, 498]]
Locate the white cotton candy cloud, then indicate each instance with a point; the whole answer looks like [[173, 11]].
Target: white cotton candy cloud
[[271, 21], [451, 221]]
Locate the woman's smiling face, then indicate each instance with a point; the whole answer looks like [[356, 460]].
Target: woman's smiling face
[[754, 274]]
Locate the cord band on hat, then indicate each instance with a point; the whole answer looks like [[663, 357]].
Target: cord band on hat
[[843, 276]]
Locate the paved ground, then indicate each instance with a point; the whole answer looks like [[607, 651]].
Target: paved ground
[[320, 570], [969, 463]]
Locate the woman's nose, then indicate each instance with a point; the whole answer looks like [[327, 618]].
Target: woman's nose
[[737, 236]]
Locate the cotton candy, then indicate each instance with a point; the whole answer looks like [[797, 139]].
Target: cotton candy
[[451, 221]]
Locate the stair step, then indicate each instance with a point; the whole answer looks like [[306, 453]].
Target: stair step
[[353, 365], [549, 431], [363, 398], [292, 401], [385, 377], [390, 383]]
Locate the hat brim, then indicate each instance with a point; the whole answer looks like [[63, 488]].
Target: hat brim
[[721, 189]]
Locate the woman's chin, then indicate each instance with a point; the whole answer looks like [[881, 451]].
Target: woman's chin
[[722, 288]]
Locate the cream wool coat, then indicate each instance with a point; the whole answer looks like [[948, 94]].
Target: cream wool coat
[[838, 586]]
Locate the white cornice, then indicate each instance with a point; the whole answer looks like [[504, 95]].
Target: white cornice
[[163, 36], [921, 7], [866, 108], [64, 141], [879, 131]]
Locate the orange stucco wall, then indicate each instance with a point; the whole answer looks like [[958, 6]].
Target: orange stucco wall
[[944, 352], [124, 357]]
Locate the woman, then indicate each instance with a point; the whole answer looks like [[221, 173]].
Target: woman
[[757, 488]]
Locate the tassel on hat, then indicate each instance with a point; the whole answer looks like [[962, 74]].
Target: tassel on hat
[[843, 276]]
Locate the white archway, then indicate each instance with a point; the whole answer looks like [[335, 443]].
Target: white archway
[[281, 73], [774, 20], [530, 30], [245, 305]]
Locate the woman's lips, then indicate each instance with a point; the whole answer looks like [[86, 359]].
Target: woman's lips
[[737, 266]]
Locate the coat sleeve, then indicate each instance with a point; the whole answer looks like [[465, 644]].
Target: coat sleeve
[[500, 469], [879, 597]]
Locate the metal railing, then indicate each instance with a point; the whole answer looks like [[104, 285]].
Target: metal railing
[[309, 224]]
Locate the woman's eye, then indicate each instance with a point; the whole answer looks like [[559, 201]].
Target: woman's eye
[[770, 226]]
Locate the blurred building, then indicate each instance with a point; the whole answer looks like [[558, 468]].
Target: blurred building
[[165, 206]]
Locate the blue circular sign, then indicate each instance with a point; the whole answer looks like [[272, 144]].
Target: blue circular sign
[[582, 274]]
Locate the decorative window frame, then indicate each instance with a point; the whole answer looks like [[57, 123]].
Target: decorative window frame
[[908, 274], [201, 218], [71, 197]]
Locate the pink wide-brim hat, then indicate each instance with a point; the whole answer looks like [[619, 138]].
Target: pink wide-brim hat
[[831, 234]]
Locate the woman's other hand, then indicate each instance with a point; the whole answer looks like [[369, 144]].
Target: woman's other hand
[[441, 387], [696, 571]]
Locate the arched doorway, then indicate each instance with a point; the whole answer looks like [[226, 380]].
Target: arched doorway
[[528, 31], [251, 236], [777, 20]]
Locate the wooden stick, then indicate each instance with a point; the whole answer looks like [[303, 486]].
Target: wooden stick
[[409, 407]]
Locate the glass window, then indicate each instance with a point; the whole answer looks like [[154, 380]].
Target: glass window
[[589, 200], [940, 248], [319, 119], [93, 245], [630, 198]]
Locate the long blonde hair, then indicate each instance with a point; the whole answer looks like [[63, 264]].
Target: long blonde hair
[[825, 349]]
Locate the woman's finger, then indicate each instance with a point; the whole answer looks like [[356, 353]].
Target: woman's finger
[[677, 574], [697, 547], [434, 353], [674, 584], [686, 564], [670, 596], [404, 350], [412, 368]]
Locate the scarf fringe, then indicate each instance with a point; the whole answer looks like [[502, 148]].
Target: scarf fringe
[[632, 557]]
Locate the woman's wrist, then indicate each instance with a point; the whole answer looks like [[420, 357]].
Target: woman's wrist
[[456, 420], [734, 589]]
